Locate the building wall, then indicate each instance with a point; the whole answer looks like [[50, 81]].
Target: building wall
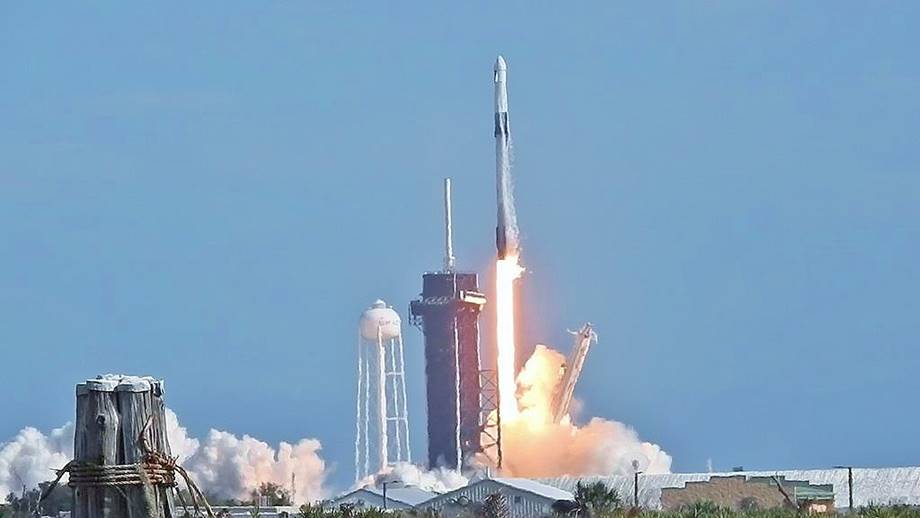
[[521, 504], [724, 491]]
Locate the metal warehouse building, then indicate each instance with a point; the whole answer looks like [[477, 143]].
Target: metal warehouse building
[[405, 497], [526, 498]]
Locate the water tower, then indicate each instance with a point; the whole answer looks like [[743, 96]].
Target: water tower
[[382, 424]]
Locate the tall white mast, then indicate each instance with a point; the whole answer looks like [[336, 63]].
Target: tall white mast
[[448, 229]]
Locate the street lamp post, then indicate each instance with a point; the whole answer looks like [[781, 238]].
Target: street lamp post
[[383, 484], [635, 465], [849, 483], [636, 490]]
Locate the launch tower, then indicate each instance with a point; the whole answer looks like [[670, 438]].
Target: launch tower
[[448, 315]]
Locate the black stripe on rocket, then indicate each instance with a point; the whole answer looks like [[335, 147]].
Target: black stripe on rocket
[[501, 125]]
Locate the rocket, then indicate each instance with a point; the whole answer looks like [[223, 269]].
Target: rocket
[[506, 231]]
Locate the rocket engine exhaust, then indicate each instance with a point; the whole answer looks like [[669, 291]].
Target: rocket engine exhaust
[[538, 437], [507, 268]]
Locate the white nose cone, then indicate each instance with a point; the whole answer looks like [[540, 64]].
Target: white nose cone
[[500, 78]]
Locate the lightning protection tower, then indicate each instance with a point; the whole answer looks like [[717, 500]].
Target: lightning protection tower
[[382, 421]]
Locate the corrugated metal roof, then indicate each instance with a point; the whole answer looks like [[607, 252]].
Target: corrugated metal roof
[[883, 486], [409, 495], [543, 491], [800, 493], [537, 488]]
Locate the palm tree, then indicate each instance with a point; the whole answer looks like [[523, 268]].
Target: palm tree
[[596, 498], [566, 507], [495, 506], [312, 511], [705, 509]]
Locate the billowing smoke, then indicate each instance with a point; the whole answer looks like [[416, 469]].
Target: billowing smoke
[[231, 466], [436, 480], [535, 446], [30, 457], [222, 464]]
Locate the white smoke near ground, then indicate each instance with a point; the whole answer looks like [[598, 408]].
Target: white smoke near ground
[[436, 480], [30, 457], [231, 466], [534, 446], [222, 464], [180, 444]]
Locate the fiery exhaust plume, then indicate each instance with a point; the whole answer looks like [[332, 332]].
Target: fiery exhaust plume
[[536, 446], [533, 442], [506, 271]]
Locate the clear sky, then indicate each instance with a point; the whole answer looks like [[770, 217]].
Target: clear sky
[[211, 192]]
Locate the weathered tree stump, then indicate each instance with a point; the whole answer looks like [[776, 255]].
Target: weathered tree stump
[[113, 412]]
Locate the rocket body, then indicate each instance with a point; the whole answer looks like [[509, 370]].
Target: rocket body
[[506, 231]]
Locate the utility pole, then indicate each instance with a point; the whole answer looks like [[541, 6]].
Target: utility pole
[[635, 465], [384, 495], [849, 484]]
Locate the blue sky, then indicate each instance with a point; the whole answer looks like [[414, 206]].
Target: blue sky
[[211, 192]]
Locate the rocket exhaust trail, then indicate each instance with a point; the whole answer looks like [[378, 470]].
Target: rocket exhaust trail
[[507, 268]]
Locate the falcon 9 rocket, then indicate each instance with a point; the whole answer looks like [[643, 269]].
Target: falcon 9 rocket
[[506, 231]]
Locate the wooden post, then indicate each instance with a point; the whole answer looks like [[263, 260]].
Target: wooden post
[[111, 414]]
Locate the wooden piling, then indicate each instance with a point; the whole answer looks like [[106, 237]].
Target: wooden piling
[[112, 413]]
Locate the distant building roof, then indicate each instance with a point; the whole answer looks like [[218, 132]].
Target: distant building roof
[[408, 495], [809, 493], [525, 498], [245, 511], [537, 488]]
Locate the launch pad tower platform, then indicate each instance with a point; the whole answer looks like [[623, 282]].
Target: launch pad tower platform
[[448, 315]]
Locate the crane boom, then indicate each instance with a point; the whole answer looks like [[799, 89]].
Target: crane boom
[[583, 339]]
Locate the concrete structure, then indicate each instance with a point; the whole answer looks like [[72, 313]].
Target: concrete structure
[[405, 497], [526, 498], [881, 486], [741, 493]]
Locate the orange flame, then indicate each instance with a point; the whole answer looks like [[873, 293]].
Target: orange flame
[[506, 271]]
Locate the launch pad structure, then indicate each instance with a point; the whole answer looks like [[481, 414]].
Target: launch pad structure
[[448, 315]]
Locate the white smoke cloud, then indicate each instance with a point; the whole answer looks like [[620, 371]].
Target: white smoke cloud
[[232, 466], [437, 480], [535, 446], [180, 444], [222, 464], [30, 457]]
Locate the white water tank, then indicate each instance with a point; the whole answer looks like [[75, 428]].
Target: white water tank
[[379, 317]]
